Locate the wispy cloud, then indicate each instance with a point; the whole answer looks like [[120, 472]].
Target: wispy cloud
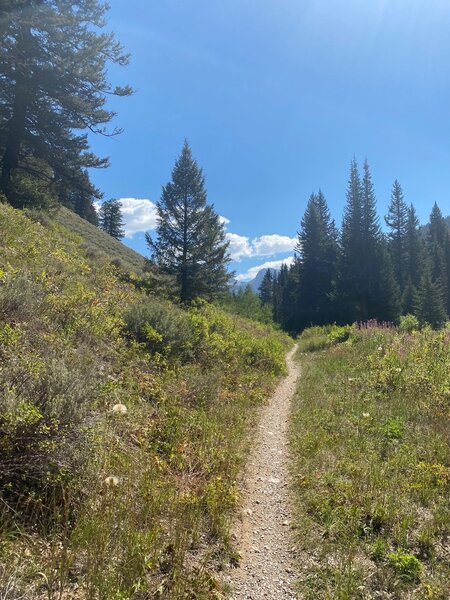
[[273, 264]]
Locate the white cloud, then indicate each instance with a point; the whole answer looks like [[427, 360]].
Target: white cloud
[[272, 264], [265, 245], [268, 245], [239, 246], [139, 214]]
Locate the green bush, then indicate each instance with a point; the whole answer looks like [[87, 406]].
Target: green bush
[[322, 337], [407, 566], [408, 324], [163, 328]]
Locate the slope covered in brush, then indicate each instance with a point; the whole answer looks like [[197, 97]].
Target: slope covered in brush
[[123, 422]]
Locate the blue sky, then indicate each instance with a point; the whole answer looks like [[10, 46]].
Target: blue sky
[[276, 97]]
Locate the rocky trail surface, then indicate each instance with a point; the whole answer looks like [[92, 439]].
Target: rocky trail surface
[[263, 533]]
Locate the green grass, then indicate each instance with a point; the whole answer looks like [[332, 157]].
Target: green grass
[[371, 466], [97, 243], [124, 423], [320, 338]]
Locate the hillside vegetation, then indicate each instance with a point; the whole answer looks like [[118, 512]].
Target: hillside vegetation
[[98, 244], [371, 463], [123, 424]]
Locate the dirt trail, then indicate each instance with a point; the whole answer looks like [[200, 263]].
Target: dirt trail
[[264, 541]]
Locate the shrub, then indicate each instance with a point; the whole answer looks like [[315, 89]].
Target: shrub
[[162, 327], [407, 566], [409, 323], [322, 337]]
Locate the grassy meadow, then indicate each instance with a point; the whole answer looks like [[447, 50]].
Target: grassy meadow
[[371, 464], [124, 423]]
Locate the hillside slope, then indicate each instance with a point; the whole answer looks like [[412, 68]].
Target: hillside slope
[[123, 425], [99, 243]]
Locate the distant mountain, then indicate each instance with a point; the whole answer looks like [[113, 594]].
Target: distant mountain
[[255, 283]]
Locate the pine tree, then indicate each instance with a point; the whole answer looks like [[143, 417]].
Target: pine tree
[[350, 267], [110, 219], [382, 292], [283, 313], [53, 86], [429, 305], [415, 251], [266, 288], [437, 227], [447, 266], [366, 286], [397, 221], [190, 242], [317, 251], [436, 245]]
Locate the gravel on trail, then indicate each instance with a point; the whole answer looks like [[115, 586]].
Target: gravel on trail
[[263, 535]]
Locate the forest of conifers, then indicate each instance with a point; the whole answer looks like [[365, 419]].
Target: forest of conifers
[[362, 272]]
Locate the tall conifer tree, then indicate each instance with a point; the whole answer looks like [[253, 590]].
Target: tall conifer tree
[[53, 89], [190, 241], [436, 245], [414, 248], [447, 266], [317, 252], [397, 221], [266, 288], [415, 257], [366, 281], [350, 268], [110, 219], [429, 306]]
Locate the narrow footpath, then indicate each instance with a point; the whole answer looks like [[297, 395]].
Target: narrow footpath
[[263, 534]]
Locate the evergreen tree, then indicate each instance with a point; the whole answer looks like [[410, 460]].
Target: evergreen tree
[[190, 242], [350, 267], [414, 249], [276, 311], [429, 302], [81, 201], [283, 298], [436, 245], [397, 221], [110, 219], [317, 251], [266, 288], [82, 206], [437, 228], [382, 292], [366, 287], [53, 89], [371, 223], [447, 266], [409, 298]]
